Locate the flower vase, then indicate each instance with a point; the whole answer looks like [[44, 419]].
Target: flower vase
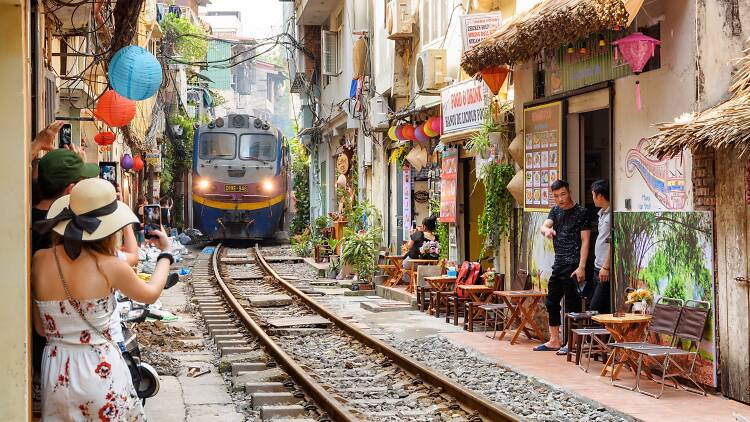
[[640, 307]]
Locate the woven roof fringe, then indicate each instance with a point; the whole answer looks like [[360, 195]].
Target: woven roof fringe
[[549, 24], [726, 125]]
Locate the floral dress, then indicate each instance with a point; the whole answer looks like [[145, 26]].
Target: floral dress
[[84, 377]]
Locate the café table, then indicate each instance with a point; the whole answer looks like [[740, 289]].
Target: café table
[[394, 269], [522, 304], [437, 285], [440, 283], [625, 328], [477, 294]]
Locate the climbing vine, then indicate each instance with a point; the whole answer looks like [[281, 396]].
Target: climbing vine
[[300, 185], [441, 229], [496, 218]]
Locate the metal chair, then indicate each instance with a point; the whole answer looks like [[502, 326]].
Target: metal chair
[[689, 329]]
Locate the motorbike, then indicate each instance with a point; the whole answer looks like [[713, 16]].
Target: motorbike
[[134, 313]]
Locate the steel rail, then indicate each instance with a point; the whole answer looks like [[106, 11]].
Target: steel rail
[[469, 399], [327, 402]]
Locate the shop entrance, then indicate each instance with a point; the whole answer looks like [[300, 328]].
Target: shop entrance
[[595, 151], [473, 204]]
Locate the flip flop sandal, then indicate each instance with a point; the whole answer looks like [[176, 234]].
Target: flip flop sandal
[[544, 348]]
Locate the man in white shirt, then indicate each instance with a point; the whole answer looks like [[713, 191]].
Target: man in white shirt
[[601, 299]]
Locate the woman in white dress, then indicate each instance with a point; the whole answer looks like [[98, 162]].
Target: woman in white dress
[[84, 376]]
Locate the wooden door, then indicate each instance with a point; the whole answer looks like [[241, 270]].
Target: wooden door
[[733, 298]]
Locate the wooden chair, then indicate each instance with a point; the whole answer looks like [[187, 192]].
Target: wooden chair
[[422, 289], [414, 264]]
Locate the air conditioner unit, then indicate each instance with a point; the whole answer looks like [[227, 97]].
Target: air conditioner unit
[[378, 113], [431, 69], [402, 22]]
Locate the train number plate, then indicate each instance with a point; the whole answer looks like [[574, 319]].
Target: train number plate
[[235, 188]]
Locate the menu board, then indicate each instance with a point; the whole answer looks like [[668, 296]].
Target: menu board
[[448, 185], [543, 152]]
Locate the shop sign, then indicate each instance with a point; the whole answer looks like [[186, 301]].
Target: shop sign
[[463, 105], [421, 197], [406, 200], [449, 185], [542, 152], [153, 159], [478, 26]]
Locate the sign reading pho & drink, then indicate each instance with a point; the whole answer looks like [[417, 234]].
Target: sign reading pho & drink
[[463, 106], [478, 26]]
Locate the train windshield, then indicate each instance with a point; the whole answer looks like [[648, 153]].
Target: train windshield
[[218, 146], [261, 147]]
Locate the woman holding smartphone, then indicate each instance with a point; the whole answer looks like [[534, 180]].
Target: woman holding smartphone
[[83, 372]]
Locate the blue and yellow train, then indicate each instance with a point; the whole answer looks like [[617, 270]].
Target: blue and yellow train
[[240, 178]]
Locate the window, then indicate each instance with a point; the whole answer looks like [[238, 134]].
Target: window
[[258, 147], [330, 54], [218, 146], [434, 19]]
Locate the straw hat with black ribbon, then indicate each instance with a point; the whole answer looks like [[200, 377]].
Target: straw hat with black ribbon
[[91, 212]]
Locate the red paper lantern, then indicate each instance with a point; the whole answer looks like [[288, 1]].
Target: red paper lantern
[[104, 138], [494, 77], [114, 109], [636, 49], [408, 132], [138, 163]]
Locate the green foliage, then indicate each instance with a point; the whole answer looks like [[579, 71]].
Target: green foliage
[[441, 229], [480, 142], [300, 163], [362, 239], [189, 39], [302, 244], [218, 98], [398, 155], [496, 218]]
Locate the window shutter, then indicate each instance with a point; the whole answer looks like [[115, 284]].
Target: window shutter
[[329, 47]]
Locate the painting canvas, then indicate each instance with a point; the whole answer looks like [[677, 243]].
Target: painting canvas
[[671, 254], [536, 252]]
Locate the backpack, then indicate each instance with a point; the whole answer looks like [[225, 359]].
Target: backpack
[[467, 275]]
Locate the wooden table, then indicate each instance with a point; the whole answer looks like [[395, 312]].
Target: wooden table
[[630, 327], [522, 304], [413, 264], [477, 292], [440, 283], [394, 269]]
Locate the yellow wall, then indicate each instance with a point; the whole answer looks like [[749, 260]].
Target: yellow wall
[[475, 208], [14, 182]]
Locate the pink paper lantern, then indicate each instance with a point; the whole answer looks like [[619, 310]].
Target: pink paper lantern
[[636, 50], [400, 132], [428, 130]]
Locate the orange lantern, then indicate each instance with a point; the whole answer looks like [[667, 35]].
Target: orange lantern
[[494, 77], [138, 163], [114, 109], [104, 138]]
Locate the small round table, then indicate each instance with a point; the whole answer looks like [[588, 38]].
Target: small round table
[[626, 328]]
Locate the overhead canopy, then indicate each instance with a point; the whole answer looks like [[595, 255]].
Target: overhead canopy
[[549, 24], [726, 125]]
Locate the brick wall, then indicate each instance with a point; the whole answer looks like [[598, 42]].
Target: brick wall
[[704, 196], [311, 39]]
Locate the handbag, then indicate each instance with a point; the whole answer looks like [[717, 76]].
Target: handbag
[[133, 366]]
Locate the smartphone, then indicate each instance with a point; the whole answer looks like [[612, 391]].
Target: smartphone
[[65, 135], [151, 219], [108, 171]]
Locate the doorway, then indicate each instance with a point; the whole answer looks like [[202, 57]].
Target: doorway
[[595, 150], [473, 205]]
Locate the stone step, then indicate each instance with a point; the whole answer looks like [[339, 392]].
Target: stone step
[[239, 367], [259, 400], [264, 387], [275, 412]]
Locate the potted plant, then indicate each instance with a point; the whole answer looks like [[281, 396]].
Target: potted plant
[[641, 299]]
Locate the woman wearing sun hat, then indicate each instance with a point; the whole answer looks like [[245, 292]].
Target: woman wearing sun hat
[[83, 373]]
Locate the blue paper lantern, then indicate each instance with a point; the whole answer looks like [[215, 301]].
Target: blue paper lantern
[[135, 73]]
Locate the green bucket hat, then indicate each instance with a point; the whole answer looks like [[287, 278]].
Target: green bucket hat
[[61, 167]]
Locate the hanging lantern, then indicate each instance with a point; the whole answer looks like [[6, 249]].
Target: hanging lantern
[[570, 48], [602, 41], [428, 130], [126, 162], [104, 138], [114, 109], [420, 135], [135, 73], [408, 132], [392, 133], [399, 132], [636, 50], [138, 163], [436, 124], [494, 77], [582, 50]]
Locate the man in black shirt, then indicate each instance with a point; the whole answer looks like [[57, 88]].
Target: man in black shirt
[[569, 228]]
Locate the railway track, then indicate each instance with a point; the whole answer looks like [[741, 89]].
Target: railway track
[[325, 368]]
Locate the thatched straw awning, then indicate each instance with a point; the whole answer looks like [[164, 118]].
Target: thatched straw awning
[[549, 24], [726, 125]]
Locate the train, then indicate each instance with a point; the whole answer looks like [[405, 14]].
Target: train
[[240, 179]]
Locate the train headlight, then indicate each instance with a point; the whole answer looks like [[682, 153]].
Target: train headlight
[[203, 184], [267, 185]]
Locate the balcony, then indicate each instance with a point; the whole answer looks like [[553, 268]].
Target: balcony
[[315, 12]]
